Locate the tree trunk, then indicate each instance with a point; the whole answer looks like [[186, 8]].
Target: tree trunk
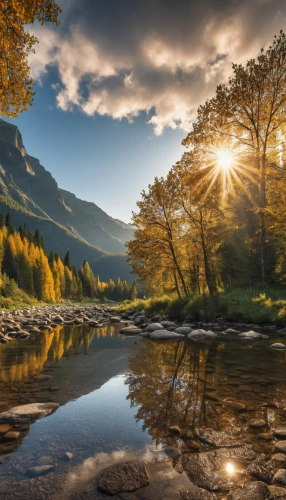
[[178, 268], [262, 227], [208, 273], [177, 286]]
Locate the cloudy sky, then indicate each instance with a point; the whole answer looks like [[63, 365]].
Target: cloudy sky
[[119, 82]]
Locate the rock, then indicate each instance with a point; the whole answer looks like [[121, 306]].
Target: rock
[[27, 413], [252, 335], [263, 471], [201, 335], [230, 330], [235, 405], [11, 436], [183, 330], [280, 477], [174, 429], [4, 428], [40, 470], [130, 330], [168, 324], [277, 345], [279, 458], [154, 327], [216, 438], [255, 490], [140, 320], [280, 433], [145, 334], [115, 319], [68, 456], [165, 335], [203, 470], [127, 476], [277, 493], [280, 446], [257, 423]]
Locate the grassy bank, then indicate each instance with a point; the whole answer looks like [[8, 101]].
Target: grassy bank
[[267, 307]]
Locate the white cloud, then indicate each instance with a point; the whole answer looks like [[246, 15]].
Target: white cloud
[[165, 67]]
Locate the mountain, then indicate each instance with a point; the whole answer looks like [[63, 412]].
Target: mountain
[[32, 196]]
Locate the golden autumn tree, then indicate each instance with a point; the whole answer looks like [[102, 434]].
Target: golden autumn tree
[[250, 112], [16, 85]]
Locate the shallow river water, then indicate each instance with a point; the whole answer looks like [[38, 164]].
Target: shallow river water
[[119, 395]]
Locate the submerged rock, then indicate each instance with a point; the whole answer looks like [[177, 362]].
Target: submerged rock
[[127, 476], [280, 446], [216, 438], [27, 413], [277, 493], [40, 470]]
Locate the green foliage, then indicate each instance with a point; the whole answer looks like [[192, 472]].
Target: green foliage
[[238, 305]]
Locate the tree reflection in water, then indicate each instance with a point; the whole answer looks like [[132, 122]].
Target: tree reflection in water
[[168, 382]]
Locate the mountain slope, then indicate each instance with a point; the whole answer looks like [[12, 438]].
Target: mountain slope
[[32, 196]]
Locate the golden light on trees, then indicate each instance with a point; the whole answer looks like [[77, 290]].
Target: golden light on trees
[[224, 159]]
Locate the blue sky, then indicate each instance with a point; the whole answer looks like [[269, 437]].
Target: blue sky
[[118, 85], [99, 159]]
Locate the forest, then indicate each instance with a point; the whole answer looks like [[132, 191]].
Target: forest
[[217, 222], [28, 272]]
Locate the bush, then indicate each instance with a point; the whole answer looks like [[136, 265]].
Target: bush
[[239, 305]]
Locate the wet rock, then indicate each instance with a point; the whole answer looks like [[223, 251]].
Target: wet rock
[[27, 413], [183, 330], [251, 491], [216, 438], [280, 433], [203, 470], [277, 493], [230, 330], [115, 319], [130, 330], [235, 405], [280, 477], [252, 335], [280, 446], [4, 428], [153, 327], [127, 476], [257, 423], [263, 471], [279, 458], [11, 436], [68, 456], [39, 470], [278, 346], [165, 335], [201, 335]]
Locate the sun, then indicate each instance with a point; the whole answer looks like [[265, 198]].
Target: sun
[[224, 159]]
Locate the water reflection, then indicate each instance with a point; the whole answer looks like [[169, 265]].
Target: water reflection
[[220, 386]]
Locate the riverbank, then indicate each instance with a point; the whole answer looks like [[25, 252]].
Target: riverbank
[[256, 306], [21, 323]]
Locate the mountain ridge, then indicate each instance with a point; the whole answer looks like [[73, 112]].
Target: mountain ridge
[[33, 196]]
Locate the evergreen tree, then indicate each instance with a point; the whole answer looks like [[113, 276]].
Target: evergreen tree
[[68, 260]]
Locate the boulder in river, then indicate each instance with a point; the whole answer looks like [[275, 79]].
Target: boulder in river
[[165, 335], [153, 327], [252, 335], [201, 335], [280, 477], [277, 345], [183, 330], [27, 413], [126, 476], [130, 330]]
